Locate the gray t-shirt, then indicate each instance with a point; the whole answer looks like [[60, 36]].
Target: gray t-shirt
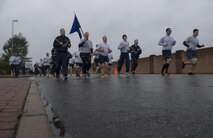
[[86, 46], [124, 46], [193, 42], [105, 47], [167, 42]]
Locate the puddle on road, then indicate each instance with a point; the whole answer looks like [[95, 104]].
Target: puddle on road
[[195, 85], [57, 125]]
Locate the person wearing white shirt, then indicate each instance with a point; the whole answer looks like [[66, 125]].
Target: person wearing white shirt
[[46, 64], [71, 65], [96, 63], [124, 56], [167, 42], [15, 63], [78, 63], [12, 66], [192, 43], [41, 67], [104, 50], [28, 67]]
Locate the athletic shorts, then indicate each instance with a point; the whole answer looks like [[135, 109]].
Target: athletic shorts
[[167, 54], [13, 67], [71, 65], [78, 64], [47, 67], [96, 61], [191, 54], [103, 59]]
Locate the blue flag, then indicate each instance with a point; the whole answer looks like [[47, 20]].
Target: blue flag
[[76, 27]]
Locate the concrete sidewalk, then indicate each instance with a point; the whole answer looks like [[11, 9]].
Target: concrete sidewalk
[[21, 111]]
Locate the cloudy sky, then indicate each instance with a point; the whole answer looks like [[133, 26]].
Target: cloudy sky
[[40, 20]]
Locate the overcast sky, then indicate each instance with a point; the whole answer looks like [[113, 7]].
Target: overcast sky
[[40, 20]]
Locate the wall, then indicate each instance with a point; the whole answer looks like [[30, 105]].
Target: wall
[[153, 63]]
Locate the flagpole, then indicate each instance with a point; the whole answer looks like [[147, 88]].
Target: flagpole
[[82, 31], [80, 26]]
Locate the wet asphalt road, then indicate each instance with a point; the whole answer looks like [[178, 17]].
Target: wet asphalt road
[[133, 107]]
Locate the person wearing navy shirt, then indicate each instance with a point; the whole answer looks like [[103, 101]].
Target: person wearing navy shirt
[[135, 51], [61, 45]]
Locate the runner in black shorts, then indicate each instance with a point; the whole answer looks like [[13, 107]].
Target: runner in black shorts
[[104, 49], [167, 42], [192, 43]]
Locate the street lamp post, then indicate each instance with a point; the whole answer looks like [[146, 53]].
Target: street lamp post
[[12, 33]]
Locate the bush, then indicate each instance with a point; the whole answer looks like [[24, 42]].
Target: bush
[[4, 68]]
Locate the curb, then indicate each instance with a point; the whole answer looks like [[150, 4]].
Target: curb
[[34, 121]]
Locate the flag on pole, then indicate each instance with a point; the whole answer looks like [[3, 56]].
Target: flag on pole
[[76, 27]]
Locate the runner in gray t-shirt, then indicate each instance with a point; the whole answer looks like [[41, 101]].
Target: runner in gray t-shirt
[[167, 42], [192, 43], [104, 50], [86, 50], [124, 56]]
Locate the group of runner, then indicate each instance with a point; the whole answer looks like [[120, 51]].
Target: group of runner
[[80, 61], [191, 43], [102, 55]]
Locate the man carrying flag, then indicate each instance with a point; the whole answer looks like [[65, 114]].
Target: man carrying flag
[[86, 50], [85, 47]]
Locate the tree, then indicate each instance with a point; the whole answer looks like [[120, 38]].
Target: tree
[[4, 67], [20, 46]]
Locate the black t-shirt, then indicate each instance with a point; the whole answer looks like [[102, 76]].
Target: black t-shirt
[[61, 48]]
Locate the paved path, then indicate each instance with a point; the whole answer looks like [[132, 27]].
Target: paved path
[[12, 97], [132, 107]]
